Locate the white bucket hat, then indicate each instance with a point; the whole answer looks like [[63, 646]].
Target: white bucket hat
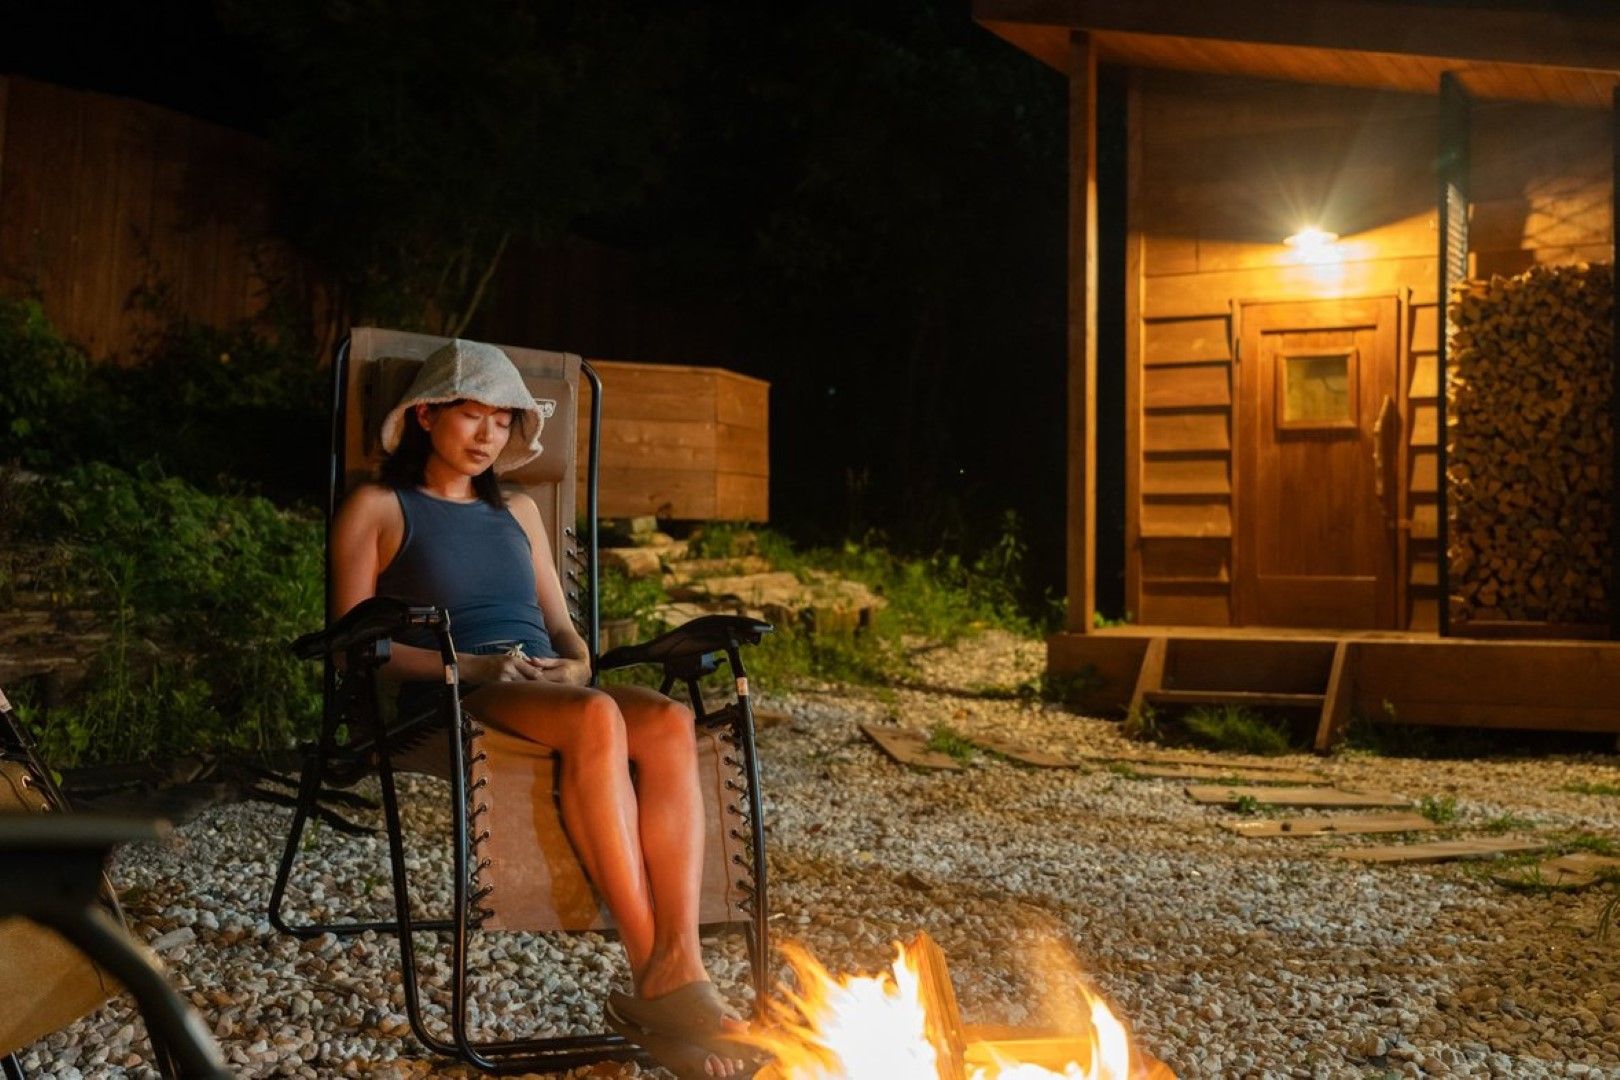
[[473, 371]]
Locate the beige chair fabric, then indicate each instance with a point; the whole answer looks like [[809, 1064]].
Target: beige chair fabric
[[535, 878], [45, 983]]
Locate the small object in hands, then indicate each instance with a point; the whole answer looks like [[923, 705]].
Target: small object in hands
[[515, 651]]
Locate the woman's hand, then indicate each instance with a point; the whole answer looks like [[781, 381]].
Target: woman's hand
[[500, 667], [564, 670]]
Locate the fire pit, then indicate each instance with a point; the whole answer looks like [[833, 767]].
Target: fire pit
[[905, 1025]]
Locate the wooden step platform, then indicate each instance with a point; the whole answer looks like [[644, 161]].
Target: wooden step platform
[[1251, 699], [1393, 676]]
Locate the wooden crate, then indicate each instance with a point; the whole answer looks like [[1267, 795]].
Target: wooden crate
[[681, 442]]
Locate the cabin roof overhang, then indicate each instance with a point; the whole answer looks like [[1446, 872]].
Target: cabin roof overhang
[[1563, 53]]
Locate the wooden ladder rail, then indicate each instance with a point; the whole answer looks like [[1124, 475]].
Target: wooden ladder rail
[[1336, 699], [1150, 676]]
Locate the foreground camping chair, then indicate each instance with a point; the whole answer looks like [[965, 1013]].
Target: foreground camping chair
[[63, 941], [513, 866]]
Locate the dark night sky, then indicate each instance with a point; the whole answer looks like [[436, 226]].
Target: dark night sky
[[168, 52]]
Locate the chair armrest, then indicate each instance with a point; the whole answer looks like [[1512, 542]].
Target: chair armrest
[[370, 620], [690, 641]]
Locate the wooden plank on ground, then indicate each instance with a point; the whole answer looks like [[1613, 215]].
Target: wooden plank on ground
[[1229, 794], [908, 747], [1223, 773], [1211, 761], [1024, 755], [1576, 870], [1445, 850], [1337, 825]]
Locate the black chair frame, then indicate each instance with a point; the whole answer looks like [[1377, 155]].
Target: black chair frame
[[362, 637], [54, 875]]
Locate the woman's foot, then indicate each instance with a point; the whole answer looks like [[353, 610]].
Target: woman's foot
[[693, 1014]]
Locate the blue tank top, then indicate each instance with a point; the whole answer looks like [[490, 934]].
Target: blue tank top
[[475, 560]]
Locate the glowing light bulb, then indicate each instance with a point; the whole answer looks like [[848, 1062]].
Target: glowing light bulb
[[1312, 244]]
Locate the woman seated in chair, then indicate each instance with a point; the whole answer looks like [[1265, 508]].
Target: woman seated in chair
[[438, 529]]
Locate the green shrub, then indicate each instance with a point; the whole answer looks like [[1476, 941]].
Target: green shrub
[[625, 597], [44, 386], [224, 409], [201, 593]]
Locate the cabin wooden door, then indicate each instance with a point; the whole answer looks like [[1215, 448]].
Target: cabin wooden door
[[1318, 464]]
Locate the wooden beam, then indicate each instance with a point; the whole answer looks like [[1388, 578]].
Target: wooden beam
[[1437, 29], [1048, 44], [1135, 352], [5, 85], [1150, 677], [1336, 701], [1082, 471], [1614, 391]]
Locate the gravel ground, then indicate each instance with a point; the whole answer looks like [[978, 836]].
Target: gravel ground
[[1229, 957]]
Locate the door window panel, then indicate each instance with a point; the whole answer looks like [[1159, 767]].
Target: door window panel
[[1316, 389]]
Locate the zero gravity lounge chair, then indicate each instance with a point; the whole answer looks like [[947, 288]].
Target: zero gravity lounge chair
[[513, 866]]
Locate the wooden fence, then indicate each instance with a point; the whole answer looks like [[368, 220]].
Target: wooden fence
[[104, 201]]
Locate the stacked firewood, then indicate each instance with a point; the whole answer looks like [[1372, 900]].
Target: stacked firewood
[[1530, 455]]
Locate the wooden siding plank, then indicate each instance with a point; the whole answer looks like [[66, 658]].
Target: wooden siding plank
[[1425, 518], [738, 497], [1184, 605], [1517, 261], [1425, 376], [1187, 475], [1186, 340], [1187, 386], [1505, 675], [739, 399], [1423, 612], [1186, 431], [1425, 327], [1425, 424], [1169, 560], [1164, 253], [1411, 237], [1185, 518], [1424, 470], [1191, 294], [634, 492]]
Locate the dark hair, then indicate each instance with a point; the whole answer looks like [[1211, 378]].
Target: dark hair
[[406, 467]]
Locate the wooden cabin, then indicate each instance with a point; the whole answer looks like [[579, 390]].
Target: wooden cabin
[[1305, 185]]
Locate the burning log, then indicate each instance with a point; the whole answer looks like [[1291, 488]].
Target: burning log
[[905, 1025], [1529, 446]]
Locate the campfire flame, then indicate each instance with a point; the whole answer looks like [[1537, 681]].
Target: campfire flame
[[879, 1027]]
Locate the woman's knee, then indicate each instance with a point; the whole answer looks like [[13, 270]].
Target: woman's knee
[[599, 730], [663, 728]]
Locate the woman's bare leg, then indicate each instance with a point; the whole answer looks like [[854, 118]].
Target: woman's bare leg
[[663, 745], [586, 729]]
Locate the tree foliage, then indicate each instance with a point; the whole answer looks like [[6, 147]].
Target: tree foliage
[[417, 139]]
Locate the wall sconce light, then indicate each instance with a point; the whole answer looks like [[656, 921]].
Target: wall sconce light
[[1312, 244]]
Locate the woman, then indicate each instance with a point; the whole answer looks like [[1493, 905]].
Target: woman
[[438, 529]]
